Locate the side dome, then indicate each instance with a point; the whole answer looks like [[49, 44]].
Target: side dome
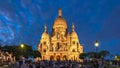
[[60, 21], [45, 34], [73, 33]]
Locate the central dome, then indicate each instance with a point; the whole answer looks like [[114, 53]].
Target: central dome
[[60, 21]]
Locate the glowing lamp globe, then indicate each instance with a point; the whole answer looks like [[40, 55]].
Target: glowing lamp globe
[[96, 44], [22, 45]]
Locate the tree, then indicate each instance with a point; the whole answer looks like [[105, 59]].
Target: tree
[[117, 57], [17, 51], [91, 54], [104, 53], [26, 51], [36, 53], [82, 55]]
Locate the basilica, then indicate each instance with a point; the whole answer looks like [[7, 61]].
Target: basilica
[[60, 44]]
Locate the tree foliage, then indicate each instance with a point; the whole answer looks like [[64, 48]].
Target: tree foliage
[[17, 51], [117, 57], [36, 54], [82, 55], [104, 53], [100, 55]]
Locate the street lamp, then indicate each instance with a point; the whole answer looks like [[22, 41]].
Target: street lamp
[[22, 45], [96, 45]]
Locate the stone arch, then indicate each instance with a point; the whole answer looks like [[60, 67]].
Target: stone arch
[[51, 57], [43, 58], [64, 57], [44, 50], [73, 50], [57, 57]]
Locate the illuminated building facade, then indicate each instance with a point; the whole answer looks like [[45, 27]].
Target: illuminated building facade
[[60, 45]]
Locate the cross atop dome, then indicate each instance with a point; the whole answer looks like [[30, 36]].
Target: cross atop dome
[[45, 28], [73, 27], [60, 12]]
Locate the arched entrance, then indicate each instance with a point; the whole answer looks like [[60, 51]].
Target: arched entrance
[[57, 57], [51, 57], [64, 57], [43, 58]]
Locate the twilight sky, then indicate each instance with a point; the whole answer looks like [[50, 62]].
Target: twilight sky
[[23, 21]]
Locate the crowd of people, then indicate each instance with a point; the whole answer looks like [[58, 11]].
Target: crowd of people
[[63, 64], [45, 64], [25, 63]]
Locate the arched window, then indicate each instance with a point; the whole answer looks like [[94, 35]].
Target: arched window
[[44, 43], [64, 57], [44, 50], [51, 47], [51, 57], [77, 44], [57, 57], [73, 50], [73, 42], [58, 46]]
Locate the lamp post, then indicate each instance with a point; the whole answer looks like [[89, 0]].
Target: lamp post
[[96, 45], [22, 48]]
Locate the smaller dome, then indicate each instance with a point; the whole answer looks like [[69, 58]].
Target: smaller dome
[[45, 35], [74, 34]]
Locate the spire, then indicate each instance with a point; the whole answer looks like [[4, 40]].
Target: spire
[[68, 33], [73, 27], [45, 28], [59, 12]]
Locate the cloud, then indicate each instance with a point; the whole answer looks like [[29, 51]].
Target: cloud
[[6, 33]]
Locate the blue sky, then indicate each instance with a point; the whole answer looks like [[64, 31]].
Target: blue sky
[[23, 21]]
